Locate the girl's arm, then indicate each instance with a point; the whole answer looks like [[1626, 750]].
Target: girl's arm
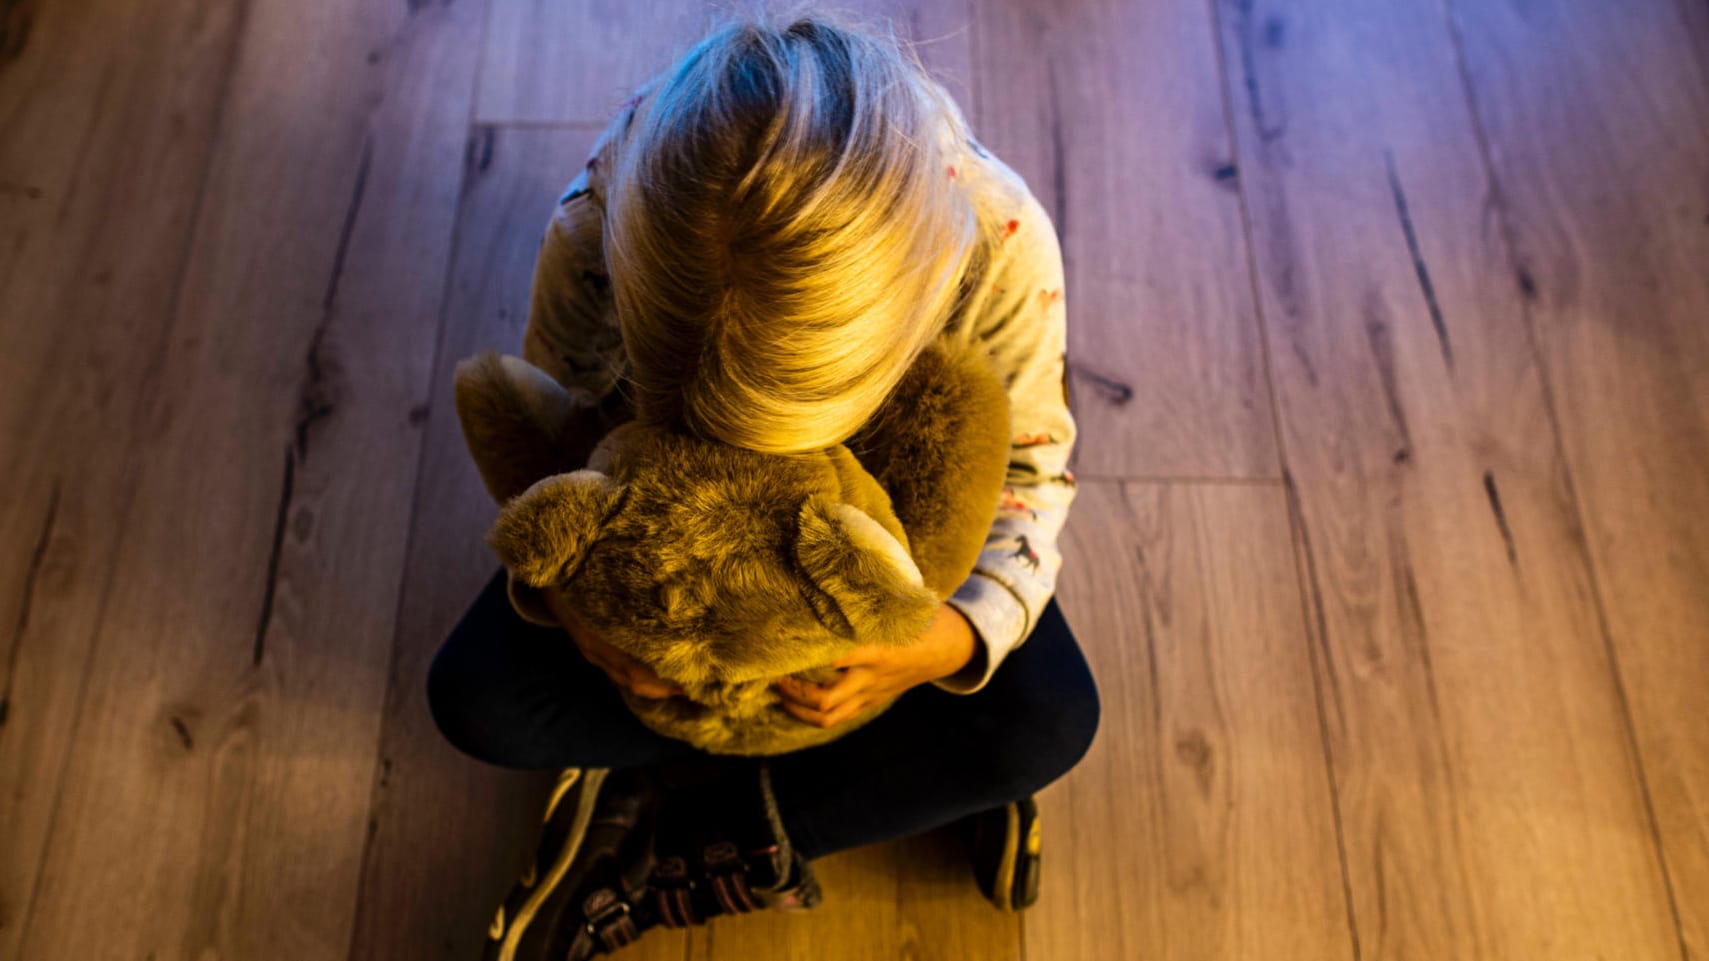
[[1025, 328]]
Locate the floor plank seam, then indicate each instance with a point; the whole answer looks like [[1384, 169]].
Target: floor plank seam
[[379, 780], [1307, 590]]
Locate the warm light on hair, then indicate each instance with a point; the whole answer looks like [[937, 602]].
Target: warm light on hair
[[781, 230]]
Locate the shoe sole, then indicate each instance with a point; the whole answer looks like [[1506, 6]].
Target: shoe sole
[[1016, 884], [590, 780]]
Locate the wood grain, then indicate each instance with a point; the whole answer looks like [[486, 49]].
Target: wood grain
[[575, 61], [242, 245], [451, 834], [1491, 804], [216, 790], [108, 112], [1112, 113], [1200, 824], [1597, 126]]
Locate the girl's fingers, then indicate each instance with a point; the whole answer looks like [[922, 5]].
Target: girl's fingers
[[635, 677], [604, 663], [794, 694], [657, 690], [823, 719], [803, 714]]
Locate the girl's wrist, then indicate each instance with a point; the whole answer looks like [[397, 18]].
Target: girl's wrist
[[960, 643]]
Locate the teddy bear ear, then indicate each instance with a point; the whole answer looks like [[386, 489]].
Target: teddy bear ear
[[519, 424], [868, 575], [543, 534]]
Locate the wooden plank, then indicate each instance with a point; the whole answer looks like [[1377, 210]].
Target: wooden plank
[[1112, 113], [1597, 124], [216, 794], [1199, 825], [1490, 803], [906, 898], [110, 109], [450, 834], [575, 61]]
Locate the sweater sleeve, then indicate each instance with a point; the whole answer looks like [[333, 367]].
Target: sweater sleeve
[[572, 331], [1025, 329]]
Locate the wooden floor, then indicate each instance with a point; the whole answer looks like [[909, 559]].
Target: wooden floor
[[1389, 347]]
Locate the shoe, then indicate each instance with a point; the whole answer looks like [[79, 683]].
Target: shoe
[[592, 815], [1003, 846], [722, 849]]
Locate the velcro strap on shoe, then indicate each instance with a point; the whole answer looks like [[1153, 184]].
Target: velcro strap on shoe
[[728, 873], [672, 885], [608, 919]]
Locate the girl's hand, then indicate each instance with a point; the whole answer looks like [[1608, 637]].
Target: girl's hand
[[624, 670], [875, 673]]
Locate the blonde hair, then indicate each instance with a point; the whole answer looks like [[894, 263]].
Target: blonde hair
[[782, 230]]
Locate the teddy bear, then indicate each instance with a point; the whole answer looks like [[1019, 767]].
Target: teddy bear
[[725, 569]]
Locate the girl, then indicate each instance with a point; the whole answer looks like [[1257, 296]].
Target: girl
[[762, 241]]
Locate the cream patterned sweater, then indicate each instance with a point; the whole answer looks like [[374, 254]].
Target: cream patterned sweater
[[1016, 311]]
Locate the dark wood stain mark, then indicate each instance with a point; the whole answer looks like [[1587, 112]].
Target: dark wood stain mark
[[1410, 611], [1275, 32], [349, 226], [15, 24], [418, 415], [1058, 153], [27, 191], [1227, 176], [1500, 518], [1378, 335], [1117, 392], [385, 771], [302, 527], [283, 512], [183, 733], [319, 394], [478, 156], [1266, 129], [1527, 283], [1418, 265], [1194, 751], [489, 136], [38, 557]]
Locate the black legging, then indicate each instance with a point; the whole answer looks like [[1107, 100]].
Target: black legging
[[519, 695]]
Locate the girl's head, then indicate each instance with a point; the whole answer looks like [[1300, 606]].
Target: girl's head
[[782, 231]]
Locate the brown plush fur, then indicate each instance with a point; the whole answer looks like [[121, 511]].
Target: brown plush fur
[[725, 569]]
